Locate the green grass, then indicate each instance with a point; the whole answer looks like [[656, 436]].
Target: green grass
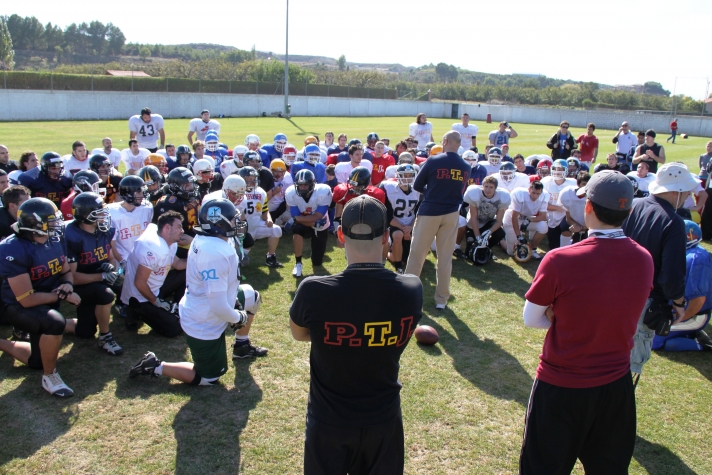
[[463, 399]]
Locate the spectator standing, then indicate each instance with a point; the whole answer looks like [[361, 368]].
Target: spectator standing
[[624, 140], [421, 130], [582, 404], [673, 131], [704, 162], [650, 152], [442, 180], [654, 224], [502, 135], [200, 126], [468, 132], [588, 145], [562, 142]]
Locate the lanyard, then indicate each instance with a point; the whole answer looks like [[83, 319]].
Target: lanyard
[[613, 235], [365, 265]]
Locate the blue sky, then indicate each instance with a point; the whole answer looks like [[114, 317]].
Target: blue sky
[[612, 42]]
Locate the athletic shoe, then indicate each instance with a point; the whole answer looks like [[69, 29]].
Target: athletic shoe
[[459, 254], [440, 306], [704, 340], [535, 255], [108, 344], [121, 309], [247, 350], [53, 384], [297, 271], [273, 262], [400, 271], [147, 365], [245, 261], [19, 335]]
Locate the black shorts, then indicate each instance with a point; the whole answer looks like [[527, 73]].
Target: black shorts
[[494, 238], [595, 425], [373, 450], [96, 293], [248, 241], [318, 241], [161, 321], [279, 211], [392, 230], [152, 150], [37, 321]]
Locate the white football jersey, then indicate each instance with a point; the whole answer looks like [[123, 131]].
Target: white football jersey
[[466, 133], [252, 206], [554, 217], [403, 203], [151, 251], [146, 134], [422, 133], [134, 162], [283, 185], [228, 167], [200, 128], [114, 156], [575, 205], [643, 183], [491, 169], [343, 169], [212, 268], [486, 207], [523, 204], [72, 165], [321, 196], [520, 181], [129, 225]]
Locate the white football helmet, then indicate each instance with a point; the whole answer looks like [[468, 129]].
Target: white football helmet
[[238, 152], [470, 157], [252, 139], [234, 188], [495, 156], [405, 174], [201, 166]]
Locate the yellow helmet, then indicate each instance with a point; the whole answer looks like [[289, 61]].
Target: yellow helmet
[[155, 159], [436, 149], [311, 140], [278, 165]]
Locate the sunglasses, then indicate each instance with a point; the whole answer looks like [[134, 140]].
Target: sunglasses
[[564, 126]]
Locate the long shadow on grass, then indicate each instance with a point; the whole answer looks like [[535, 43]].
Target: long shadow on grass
[[659, 460], [483, 363], [700, 360], [301, 131]]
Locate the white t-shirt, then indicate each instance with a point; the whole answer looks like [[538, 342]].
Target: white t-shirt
[[421, 132], [151, 251], [252, 206], [486, 207], [466, 133], [215, 195], [491, 169], [520, 181], [114, 156], [228, 167], [146, 134], [523, 204], [134, 162], [575, 205], [403, 203], [625, 142], [164, 154], [129, 225], [285, 183], [72, 165], [200, 128], [321, 196], [212, 267], [554, 217], [643, 183], [343, 169]]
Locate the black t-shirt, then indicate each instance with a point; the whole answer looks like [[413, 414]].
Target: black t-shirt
[[652, 164], [5, 222], [10, 166], [266, 179], [360, 322]]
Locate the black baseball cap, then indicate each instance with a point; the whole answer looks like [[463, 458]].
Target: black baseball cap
[[367, 211]]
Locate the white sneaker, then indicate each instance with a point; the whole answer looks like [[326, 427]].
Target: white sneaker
[[108, 344], [536, 255], [440, 306], [53, 384], [297, 271]]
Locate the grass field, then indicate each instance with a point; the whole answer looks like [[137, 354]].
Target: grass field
[[463, 399]]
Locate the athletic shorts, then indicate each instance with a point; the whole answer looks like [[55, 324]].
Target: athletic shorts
[[37, 321], [263, 231], [209, 356], [392, 230]]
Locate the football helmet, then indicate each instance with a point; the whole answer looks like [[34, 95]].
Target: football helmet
[[543, 168], [212, 143], [89, 208], [523, 251], [101, 164], [506, 172], [38, 216], [52, 166], [181, 183], [238, 154], [277, 165], [86, 180], [280, 141], [311, 140], [405, 174], [371, 139], [354, 142], [251, 177], [429, 145], [693, 232], [158, 161], [234, 189], [289, 155], [130, 186], [359, 179], [494, 156], [436, 149], [559, 169], [203, 169], [151, 178], [304, 183], [405, 157], [253, 140], [480, 253], [634, 181], [470, 157], [252, 159], [574, 166], [220, 218], [312, 154], [183, 154]]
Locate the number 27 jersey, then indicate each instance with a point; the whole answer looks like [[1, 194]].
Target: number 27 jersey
[[402, 203]]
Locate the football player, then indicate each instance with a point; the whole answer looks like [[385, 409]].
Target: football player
[[228, 167], [282, 181], [85, 180], [312, 163], [343, 169], [289, 156], [479, 172], [494, 160], [110, 179], [381, 161], [158, 161], [574, 225], [205, 178], [554, 185], [401, 205], [214, 151], [153, 180], [94, 268], [543, 169], [487, 205], [50, 181], [252, 142], [528, 206], [252, 159], [130, 217], [146, 128], [509, 179], [254, 209], [358, 183], [32, 298], [275, 149], [403, 159], [575, 166], [77, 160], [181, 196], [216, 301], [107, 149], [308, 204], [184, 158], [134, 157]]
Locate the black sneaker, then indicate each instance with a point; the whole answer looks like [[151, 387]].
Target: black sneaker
[[247, 350], [272, 261], [19, 335], [108, 344], [459, 254], [704, 340], [147, 365]]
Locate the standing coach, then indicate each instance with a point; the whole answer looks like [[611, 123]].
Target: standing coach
[[354, 423], [442, 181]]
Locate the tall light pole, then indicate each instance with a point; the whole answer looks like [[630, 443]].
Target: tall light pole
[[286, 69]]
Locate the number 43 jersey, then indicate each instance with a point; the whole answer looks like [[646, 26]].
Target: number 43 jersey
[[402, 203]]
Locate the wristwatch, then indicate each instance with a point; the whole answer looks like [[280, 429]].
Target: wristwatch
[[680, 305]]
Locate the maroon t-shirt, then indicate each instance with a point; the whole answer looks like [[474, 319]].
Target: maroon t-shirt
[[588, 145], [590, 340]]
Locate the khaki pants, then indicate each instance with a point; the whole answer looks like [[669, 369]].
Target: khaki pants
[[444, 230]]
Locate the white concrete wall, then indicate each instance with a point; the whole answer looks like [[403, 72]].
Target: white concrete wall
[[85, 105], [699, 126]]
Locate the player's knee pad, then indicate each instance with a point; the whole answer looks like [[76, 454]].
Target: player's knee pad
[[53, 323], [249, 299]]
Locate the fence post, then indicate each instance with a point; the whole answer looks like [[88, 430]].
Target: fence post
[[4, 74], [166, 84], [230, 87], [200, 85], [348, 91], [257, 87], [327, 91], [92, 79], [51, 81], [306, 88]]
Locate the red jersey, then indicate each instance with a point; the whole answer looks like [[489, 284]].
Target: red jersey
[[589, 342], [66, 206], [379, 168], [332, 159], [673, 125], [588, 145], [341, 194]]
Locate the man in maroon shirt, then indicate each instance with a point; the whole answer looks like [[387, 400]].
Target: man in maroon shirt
[[673, 131], [588, 144], [582, 403]]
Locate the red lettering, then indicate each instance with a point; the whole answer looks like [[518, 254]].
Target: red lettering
[[443, 174], [337, 332], [406, 331], [39, 272]]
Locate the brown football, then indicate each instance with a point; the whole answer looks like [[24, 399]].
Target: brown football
[[426, 335]]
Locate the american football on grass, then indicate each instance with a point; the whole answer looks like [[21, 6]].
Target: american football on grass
[[426, 335]]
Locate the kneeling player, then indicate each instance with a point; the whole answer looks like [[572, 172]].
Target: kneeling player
[[529, 206], [212, 303], [308, 203], [401, 204], [487, 205], [36, 278]]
